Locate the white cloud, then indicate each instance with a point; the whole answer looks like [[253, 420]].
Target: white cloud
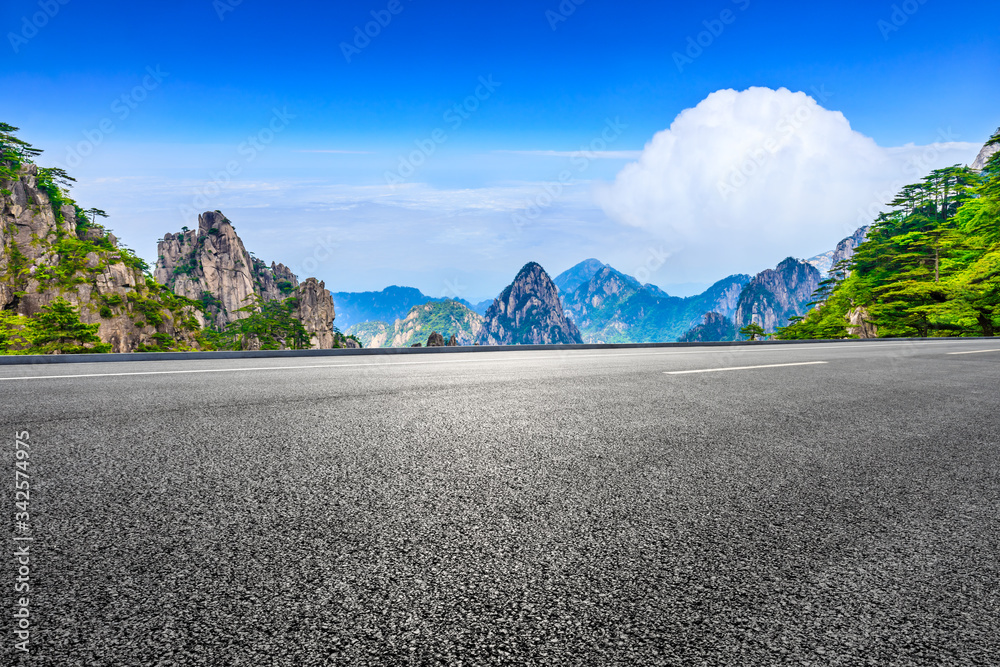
[[747, 178]]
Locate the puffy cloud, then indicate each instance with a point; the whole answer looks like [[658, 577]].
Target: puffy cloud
[[747, 178]]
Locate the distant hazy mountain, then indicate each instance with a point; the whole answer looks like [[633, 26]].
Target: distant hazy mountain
[[529, 312], [480, 307], [613, 307], [448, 318], [389, 305], [823, 262], [572, 278]]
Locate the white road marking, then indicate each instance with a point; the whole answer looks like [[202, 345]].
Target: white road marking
[[744, 368], [974, 352], [561, 355], [235, 370]]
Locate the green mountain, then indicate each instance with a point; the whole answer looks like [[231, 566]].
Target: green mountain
[[388, 305], [714, 327], [448, 318], [928, 267], [613, 307]]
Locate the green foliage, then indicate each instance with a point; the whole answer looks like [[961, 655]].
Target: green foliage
[[13, 153], [132, 260], [209, 302], [269, 323], [58, 329], [13, 339], [753, 331], [929, 267]]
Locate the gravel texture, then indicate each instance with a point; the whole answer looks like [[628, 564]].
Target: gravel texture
[[534, 508]]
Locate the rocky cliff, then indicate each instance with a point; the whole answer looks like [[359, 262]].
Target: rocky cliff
[[49, 250], [988, 151], [529, 312], [211, 265], [775, 295], [314, 308], [447, 318], [844, 250]]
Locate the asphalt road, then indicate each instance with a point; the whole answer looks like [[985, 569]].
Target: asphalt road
[[546, 508]]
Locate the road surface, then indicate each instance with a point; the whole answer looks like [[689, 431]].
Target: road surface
[[826, 504]]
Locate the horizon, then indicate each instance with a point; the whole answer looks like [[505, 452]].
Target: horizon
[[448, 174]]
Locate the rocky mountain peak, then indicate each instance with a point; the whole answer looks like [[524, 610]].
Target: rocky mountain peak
[[569, 280], [774, 295], [210, 264], [529, 312]]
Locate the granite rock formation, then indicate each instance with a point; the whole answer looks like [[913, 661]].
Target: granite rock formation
[[775, 295], [529, 312], [988, 151], [211, 265], [49, 252]]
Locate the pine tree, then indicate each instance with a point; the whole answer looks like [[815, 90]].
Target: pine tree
[[753, 331], [58, 329]]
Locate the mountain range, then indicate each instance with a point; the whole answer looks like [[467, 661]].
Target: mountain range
[[57, 264], [388, 305]]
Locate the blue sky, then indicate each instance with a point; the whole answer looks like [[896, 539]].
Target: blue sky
[[226, 72]]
